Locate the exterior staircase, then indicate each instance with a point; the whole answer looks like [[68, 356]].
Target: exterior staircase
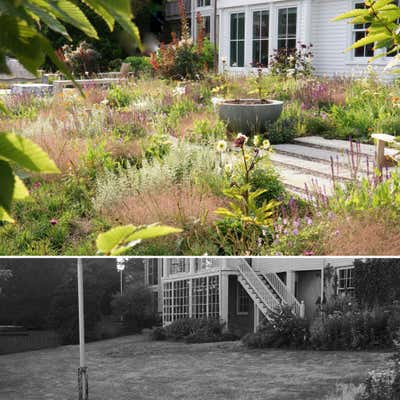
[[267, 291], [309, 160]]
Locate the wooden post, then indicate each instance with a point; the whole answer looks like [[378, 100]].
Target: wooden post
[[381, 140], [83, 385]]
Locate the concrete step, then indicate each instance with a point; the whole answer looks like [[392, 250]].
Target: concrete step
[[323, 156], [296, 180], [340, 145], [316, 168]]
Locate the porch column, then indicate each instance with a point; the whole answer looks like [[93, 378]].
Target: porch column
[[307, 20], [291, 281], [223, 297], [256, 317]]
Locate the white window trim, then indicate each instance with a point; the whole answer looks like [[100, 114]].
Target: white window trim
[[231, 12], [298, 21], [252, 11], [350, 267]]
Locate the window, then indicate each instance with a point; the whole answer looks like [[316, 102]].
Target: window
[[203, 264], [152, 272], [345, 281], [178, 266], [206, 22], [359, 32], [242, 301], [396, 3], [287, 28], [260, 38], [203, 3], [203, 297], [237, 40]]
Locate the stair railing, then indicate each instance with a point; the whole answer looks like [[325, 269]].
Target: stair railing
[[283, 292], [251, 277]]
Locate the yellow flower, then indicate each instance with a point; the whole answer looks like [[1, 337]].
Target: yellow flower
[[257, 140], [228, 168], [266, 144], [221, 146]]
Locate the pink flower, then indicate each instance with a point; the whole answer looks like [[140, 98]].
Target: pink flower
[[308, 253], [53, 221], [36, 185]]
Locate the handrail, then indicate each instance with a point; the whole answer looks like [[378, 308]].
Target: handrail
[[283, 292], [258, 286]]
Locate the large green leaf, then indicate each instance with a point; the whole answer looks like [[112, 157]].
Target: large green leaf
[[119, 240], [5, 216], [25, 153], [7, 180]]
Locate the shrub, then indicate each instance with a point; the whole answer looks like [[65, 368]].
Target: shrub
[[281, 131], [267, 179], [135, 306], [83, 59], [353, 330], [198, 330], [282, 329], [292, 62], [140, 65], [119, 97], [159, 333]]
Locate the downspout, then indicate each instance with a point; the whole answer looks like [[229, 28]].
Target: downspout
[[215, 39]]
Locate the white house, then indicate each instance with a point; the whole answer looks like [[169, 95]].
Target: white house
[[248, 32], [240, 291]]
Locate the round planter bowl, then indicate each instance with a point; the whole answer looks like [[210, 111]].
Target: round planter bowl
[[249, 116]]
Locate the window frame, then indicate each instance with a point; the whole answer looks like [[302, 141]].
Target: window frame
[[287, 38], [236, 40], [260, 39], [347, 290], [354, 32], [201, 3]]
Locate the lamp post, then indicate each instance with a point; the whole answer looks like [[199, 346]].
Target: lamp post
[[83, 385]]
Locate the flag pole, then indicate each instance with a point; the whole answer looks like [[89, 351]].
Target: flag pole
[[83, 385]]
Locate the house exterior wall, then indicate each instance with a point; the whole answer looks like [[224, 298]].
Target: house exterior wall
[[314, 25], [301, 275]]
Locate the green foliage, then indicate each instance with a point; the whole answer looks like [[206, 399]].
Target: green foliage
[[140, 66], [119, 97], [382, 17], [81, 60], [282, 329], [135, 306], [16, 150], [120, 240]]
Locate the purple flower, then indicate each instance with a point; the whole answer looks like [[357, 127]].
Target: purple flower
[[296, 223], [53, 221], [337, 232], [285, 232], [284, 221], [309, 221], [295, 232]]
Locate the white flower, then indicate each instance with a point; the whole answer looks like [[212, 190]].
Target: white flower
[[216, 100], [290, 72], [179, 91], [224, 60], [104, 102], [221, 146], [240, 135], [257, 140], [266, 144]]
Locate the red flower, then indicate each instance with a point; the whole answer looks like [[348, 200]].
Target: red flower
[[53, 221]]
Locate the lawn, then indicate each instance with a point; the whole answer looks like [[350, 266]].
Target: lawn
[[133, 368]]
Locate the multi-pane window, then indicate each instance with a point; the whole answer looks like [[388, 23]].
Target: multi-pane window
[[345, 281], [394, 53], [199, 299], [287, 28], [167, 303], [152, 272], [242, 301], [202, 293], [178, 266], [237, 40], [203, 3], [181, 299], [260, 38], [213, 296], [359, 32]]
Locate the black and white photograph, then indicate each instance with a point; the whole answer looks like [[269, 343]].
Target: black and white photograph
[[200, 328]]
